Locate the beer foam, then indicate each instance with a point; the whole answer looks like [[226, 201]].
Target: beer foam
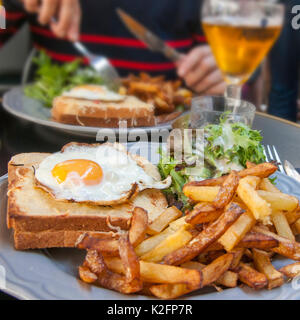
[[256, 21]]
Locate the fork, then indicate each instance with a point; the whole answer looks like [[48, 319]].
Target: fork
[[271, 154], [100, 64]]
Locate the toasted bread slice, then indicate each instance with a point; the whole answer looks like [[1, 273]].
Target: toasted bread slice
[[31, 209], [96, 113]]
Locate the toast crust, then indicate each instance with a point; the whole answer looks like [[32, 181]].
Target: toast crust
[[24, 240]]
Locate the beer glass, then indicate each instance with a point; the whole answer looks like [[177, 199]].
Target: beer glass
[[240, 34]]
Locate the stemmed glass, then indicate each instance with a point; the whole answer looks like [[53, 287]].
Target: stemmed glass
[[240, 33]]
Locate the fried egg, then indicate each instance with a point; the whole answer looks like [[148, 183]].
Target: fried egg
[[93, 92], [98, 174]]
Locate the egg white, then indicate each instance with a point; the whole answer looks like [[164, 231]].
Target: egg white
[[93, 92], [120, 173]]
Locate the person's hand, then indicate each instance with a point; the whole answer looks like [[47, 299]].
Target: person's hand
[[63, 16], [200, 72]]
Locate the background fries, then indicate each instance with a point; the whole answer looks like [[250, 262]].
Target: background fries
[[165, 95], [237, 224]]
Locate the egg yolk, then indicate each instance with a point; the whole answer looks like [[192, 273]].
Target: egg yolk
[[89, 172]]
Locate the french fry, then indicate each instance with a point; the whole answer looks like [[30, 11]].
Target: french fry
[[296, 227], [108, 247], [139, 225], [159, 273], [250, 164], [216, 269], [263, 264], [202, 213], [129, 260], [246, 191], [211, 273], [291, 270], [144, 87], [237, 231], [207, 212], [175, 241], [205, 238], [206, 194], [129, 283], [258, 240], [210, 256], [279, 201], [153, 241], [163, 220], [227, 190], [237, 256], [286, 247], [251, 277], [168, 291], [86, 275], [262, 170], [282, 226], [292, 216], [214, 247], [229, 279], [267, 185]]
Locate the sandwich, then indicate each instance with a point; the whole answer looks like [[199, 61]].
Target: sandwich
[[53, 199], [97, 106]]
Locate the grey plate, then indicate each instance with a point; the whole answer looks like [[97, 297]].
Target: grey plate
[[52, 274], [16, 103]]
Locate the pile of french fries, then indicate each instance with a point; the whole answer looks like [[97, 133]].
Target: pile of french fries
[[238, 223], [164, 95]]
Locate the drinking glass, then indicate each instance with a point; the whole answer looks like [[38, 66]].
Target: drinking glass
[[211, 109], [240, 33]]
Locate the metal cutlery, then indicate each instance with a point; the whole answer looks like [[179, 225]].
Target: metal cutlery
[[291, 171], [101, 64], [287, 168], [151, 40]]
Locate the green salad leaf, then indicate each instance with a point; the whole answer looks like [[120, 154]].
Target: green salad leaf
[[52, 79], [227, 146]]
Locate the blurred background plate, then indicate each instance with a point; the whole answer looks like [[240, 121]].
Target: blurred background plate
[[16, 103]]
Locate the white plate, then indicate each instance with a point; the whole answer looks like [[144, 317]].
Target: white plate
[[52, 273], [16, 103]]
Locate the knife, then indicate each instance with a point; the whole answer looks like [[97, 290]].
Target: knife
[[291, 171], [152, 41]]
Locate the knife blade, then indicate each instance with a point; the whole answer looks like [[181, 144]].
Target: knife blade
[[291, 171], [151, 40]]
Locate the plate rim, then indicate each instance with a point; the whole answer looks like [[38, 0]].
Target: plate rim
[[87, 130]]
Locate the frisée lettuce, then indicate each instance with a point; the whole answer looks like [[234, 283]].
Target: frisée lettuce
[[227, 146]]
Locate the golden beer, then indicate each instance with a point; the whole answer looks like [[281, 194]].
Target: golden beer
[[239, 49]]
